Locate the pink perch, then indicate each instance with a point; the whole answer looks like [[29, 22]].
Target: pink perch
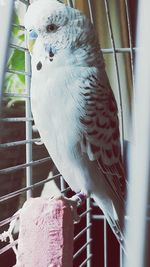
[[46, 234]]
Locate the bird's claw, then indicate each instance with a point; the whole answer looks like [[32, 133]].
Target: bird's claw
[[74, 202]]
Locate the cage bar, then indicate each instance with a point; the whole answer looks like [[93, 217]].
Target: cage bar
[[82, 248], [105, 242], [116, 72], [25, 189], [130, 41], [24, 165], [18, 143], [28, 124], [139, 152], [90, 11], [86, 261], [5, 32], [88, 232]]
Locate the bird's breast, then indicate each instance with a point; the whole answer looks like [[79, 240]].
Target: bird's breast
[[55, 110]]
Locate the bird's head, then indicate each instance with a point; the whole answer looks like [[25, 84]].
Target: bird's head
[[54, 27]]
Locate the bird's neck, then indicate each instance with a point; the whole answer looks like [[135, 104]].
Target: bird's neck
[[85, 56], [88, 56]]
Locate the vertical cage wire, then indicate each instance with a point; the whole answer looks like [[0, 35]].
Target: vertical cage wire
[[139, 152], [5, 8], [130, 41], [116, 70], [105, 242], [90, 11], [88, 232], [70, 3], [88, 201], [29, 122], [121, 257], [62, 185]]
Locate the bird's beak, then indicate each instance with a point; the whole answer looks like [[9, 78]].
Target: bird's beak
[[50, 50], [31, 38]]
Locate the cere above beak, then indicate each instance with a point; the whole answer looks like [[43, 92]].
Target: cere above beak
[[32, 36]]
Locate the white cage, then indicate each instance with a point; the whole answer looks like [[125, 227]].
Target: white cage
[[25, 167]]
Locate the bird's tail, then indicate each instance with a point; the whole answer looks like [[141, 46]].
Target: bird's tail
[[113, 210]]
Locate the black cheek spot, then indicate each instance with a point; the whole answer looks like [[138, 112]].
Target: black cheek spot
[[39, 65]]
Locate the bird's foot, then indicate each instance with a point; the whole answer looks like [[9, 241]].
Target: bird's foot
[[74, 202]]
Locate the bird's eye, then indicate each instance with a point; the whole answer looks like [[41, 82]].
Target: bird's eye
[[51, 28]]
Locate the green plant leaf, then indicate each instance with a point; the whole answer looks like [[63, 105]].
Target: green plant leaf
[[17, 60], [21, 37], [15, 30], [21, 78], [15, 82]]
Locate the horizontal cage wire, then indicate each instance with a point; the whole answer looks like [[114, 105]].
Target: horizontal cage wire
[[26, 169]]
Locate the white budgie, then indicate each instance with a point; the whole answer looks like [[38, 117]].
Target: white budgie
[[74, 107]]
